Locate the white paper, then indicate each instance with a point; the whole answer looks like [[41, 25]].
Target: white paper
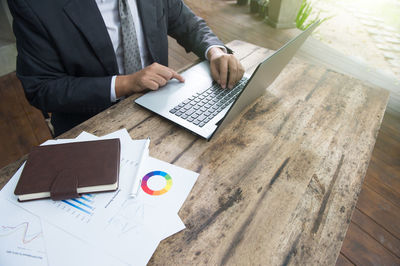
[[111, 223], [64, 249], [21, 237], [25, 239], [182, 182]]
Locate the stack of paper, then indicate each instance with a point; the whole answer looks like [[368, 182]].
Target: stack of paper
[[97, 229]]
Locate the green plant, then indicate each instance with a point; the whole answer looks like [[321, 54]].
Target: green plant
[[263, 7], [302, 18]]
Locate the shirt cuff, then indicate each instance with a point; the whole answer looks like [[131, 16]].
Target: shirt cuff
[[113, 96], [212, 46]]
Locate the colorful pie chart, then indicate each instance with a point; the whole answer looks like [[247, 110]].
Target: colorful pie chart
[[164, 190]]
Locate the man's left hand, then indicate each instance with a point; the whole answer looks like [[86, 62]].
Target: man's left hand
[[221, 64]]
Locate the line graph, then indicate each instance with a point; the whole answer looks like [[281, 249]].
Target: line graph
[[21, 237], [26, 239]]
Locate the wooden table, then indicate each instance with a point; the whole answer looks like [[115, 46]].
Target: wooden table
[[278, 186]]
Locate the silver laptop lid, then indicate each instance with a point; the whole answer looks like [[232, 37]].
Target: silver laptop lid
[[265, 73]]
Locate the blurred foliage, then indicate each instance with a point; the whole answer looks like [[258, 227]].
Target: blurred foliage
[[305, 15]]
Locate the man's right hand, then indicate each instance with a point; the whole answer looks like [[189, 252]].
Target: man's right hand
[[151, 77]]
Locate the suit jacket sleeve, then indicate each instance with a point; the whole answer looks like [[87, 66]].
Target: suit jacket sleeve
[[189, 30], [47, 85]]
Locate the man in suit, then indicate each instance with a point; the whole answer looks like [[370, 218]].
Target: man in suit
[[73, 56]]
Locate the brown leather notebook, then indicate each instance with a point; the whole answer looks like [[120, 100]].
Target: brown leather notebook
[[64, 171]]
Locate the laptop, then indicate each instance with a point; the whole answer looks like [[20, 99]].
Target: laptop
[[201, 106]]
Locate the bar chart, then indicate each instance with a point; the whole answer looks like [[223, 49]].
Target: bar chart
[[81, 208]]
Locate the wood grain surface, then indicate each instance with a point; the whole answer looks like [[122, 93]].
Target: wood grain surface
[[22, 126], [279, 184]]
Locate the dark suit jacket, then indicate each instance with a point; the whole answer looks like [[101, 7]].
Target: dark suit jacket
[[65, 55]]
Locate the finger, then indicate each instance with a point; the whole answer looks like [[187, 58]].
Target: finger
[[164, 71], [150, 84], [241, 70], [223, 72], [214, 71], [233, 73], [159, 79], [168, 73], [175, 75]]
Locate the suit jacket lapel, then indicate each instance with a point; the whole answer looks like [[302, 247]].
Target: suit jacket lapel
[[148, 14], [87, 18]]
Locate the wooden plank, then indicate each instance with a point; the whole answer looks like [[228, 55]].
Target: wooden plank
[[362, 249], [382, 211], [343, 261], [377, 232], [318, 212], [9, 152], [387, 185], [388, 171], [22, 126], [8, 171], [383, 173], [244, 192], [17, 137], [388, 149], [290, 199], [391, 125], [315, 51]]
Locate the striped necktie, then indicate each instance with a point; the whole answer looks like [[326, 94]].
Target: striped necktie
[[132, 61]]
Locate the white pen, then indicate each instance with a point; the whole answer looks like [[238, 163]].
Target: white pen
[[138, 180]]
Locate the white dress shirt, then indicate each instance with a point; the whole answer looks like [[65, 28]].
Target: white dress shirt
[[110, 14]]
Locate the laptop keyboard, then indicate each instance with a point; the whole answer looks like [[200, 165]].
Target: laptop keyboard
[[204, 106]]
